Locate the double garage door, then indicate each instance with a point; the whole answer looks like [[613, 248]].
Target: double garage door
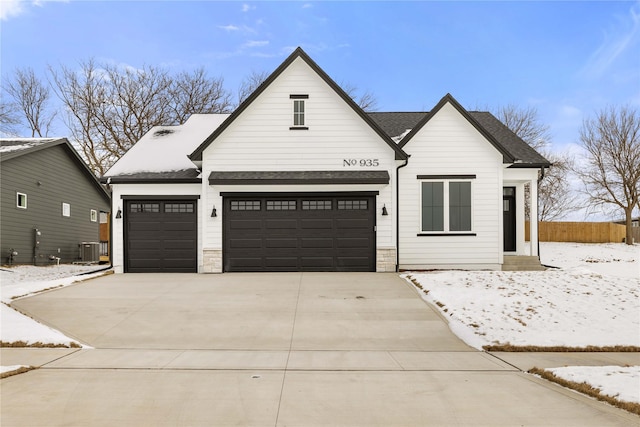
[[299, 233], [260, 233]]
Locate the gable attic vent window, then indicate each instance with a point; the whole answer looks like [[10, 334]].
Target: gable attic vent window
[[299, 111]]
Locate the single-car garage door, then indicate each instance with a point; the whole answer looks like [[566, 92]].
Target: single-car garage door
[[161, 236], [299, 233]]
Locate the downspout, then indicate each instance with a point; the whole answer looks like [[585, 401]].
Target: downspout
[[398, 213], [538, 209]]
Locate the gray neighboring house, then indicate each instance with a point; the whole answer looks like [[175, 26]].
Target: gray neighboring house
[[50, 202]]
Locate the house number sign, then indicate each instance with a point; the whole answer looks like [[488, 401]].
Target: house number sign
[[360, 162]]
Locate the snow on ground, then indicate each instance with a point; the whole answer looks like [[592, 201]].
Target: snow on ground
[[20, 281], [591, 298], [625, 388], [11, 368]]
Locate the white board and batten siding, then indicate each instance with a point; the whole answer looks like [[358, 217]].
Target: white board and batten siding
[[449, 145], [260, 139]]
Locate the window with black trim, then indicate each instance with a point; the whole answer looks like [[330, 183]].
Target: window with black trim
[[299, 111], [245, 205], [281, 205], [178, 208], [144, 207], [21, 200], [316, 205], [446, 206], [353, 205]]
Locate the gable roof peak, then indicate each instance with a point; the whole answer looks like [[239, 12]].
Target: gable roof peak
[[297, 53], [449, 99]]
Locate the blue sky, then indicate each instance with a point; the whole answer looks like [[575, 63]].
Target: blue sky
[[566, 59]]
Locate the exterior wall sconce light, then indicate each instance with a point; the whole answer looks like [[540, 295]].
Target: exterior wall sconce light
[[214, 212], [384, 210], [119, 214]]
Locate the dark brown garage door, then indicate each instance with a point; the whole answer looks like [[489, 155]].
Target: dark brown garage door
[[298, 233], [161, 236]]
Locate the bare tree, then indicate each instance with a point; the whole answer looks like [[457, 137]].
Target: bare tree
[[611, 168], [31, 97], [525, 123], [110, 108], [195, 93], [9, 119], [555, 197], [367, 101], [85, 97], [250, 83]]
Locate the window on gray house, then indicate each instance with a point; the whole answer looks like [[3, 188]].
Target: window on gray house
[[21, 200]]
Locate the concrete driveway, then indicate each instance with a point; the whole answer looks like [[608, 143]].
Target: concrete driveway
[[291, 349]]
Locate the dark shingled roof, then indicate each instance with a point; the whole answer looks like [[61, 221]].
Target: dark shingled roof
[[298, 177], [524, 154], [397, 123], [182, 176]]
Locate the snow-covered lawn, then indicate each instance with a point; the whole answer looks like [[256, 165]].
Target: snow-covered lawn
[[592, 298]]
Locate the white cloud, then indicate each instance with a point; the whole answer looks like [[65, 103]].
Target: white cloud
[[256, 43], [247, 8], [13, 8], [229, 27], [10, 8], [307, 6], [617, 42], [233, 28]]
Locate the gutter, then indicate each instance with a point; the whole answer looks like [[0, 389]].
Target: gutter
[[406, 162]]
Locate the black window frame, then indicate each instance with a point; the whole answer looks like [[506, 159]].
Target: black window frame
[[299, 118], [450, 226]]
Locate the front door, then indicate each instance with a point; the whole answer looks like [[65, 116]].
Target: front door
[[509, 218]]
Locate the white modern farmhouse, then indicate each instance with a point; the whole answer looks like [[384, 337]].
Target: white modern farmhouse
[[299, 178]]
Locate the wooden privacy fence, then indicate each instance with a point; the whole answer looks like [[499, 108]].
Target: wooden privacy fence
[[579, 232]]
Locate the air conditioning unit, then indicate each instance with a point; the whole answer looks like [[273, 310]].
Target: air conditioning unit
[[90, 251]]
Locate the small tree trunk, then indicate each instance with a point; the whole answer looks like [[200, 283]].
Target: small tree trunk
[[628, 224]]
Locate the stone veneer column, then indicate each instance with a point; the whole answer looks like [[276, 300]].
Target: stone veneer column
[[385, 260], [212, 262]]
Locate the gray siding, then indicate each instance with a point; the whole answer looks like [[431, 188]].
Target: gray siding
[[49, 178]]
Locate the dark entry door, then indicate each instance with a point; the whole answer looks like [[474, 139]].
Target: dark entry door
[[161, 236], [509, 218], [299, 233]]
